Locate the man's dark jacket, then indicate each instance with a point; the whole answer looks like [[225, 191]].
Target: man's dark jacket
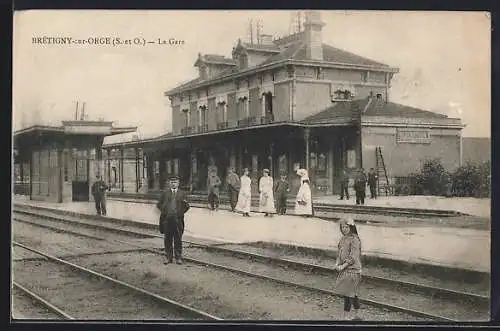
[[163, 205], [99, 188]]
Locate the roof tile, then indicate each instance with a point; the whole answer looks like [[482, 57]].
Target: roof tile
[[377, 108]]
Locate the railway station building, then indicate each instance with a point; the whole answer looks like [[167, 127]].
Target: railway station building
[[283, 103]]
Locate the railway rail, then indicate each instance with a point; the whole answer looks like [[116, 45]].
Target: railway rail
[[149, 296], [46, 304], [432, 292]]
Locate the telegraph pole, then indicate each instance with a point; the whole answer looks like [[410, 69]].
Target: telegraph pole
[[250, 31], [82, 117], [259, 30]]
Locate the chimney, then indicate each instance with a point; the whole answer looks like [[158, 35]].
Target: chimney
[[266, 39], [202, 67], [312, 35]]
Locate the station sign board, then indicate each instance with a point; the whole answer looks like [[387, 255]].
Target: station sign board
[[87, 129], [413, 136]]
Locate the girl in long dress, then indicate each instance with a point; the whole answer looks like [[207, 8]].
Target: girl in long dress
[[348, 265], [245, 194], [266, 201], [303, 202]]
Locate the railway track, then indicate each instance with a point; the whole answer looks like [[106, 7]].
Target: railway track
[[429, 292], [129, 301], [323, 210], [44, 303]]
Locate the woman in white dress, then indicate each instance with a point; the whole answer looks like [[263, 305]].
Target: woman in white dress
[[303, 202], [266, 201], [245, 194]]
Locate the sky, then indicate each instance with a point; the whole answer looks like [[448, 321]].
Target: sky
[[443, 58]]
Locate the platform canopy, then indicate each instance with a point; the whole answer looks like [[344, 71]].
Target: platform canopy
[[68, 130]]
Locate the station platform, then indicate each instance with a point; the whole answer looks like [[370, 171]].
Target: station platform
[[472, 206], [438, 245]]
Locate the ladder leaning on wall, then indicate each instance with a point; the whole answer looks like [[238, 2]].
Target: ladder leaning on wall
[[383, 184]]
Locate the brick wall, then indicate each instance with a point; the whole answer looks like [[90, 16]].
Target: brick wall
[[281, 102], [405, 158], [377, 77], [362, 92], [178, 119], [342, 75], [232, 110], [311, 98], [255, 103], [193, 114]]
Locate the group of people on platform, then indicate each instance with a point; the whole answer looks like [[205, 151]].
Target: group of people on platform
[[360, 182], [272, 196]]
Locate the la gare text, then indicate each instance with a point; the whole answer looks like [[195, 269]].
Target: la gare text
[[112, 41]]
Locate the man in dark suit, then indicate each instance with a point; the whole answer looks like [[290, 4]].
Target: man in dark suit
[[99, 192], [173, 205], [360, 187], [344, 185], [372, 182]]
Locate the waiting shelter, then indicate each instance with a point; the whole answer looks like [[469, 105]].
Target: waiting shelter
[[60, 163]]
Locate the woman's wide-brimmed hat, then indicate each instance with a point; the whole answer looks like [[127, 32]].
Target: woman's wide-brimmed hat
[[302, 172], [348, 221]]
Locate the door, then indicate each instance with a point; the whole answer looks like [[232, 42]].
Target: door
[[80, 184]]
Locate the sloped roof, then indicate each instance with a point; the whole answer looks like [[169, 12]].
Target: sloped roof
[[339, 110], [297, 51], [218, 59], [337, 55], [376, 108], [382, 108], [197, 80], [286, 54], [214, 59], [187, 84]]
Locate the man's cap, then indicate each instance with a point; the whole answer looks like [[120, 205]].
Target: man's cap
[[173, 177]]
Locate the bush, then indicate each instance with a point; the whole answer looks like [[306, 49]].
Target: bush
[[472, 180], [433, 179]]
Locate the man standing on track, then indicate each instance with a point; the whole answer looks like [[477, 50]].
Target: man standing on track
[[99, 192], [173, 205]]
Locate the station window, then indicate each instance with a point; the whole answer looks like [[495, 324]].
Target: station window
[[319, 73], [364, 76], [282, 164]]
